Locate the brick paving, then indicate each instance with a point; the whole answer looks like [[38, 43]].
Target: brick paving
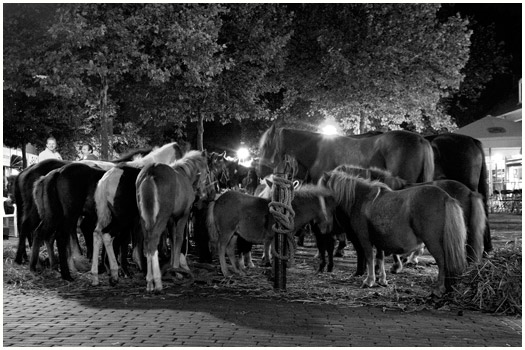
[[54, 320]]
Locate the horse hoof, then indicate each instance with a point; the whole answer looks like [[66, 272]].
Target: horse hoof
[[395, 269], [113, 281]]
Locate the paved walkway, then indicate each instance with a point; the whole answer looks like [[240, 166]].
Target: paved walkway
[[181, 320]]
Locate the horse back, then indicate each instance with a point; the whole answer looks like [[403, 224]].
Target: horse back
[[246, 215], [459, 157], [405, 154], [76, 187]]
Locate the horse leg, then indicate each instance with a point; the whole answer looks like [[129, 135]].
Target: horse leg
[[380, 257], [321, 243], [157, 278], [267, 256], [53, 263], [35, 249], [25, 232], [222, 258], [113, 265], [150, 286], [177, 238], [63, 255], [97, 242], [330, 251], [339, 252], [439, 255], [397, 267], [87, 225], [249, 259], [369, 257], [230, 250]]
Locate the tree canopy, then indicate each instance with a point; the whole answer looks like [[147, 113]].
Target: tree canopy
[[115, 73]]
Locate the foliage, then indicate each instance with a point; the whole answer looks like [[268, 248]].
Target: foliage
[[30, 114], [387, 63], [487, 59], [81, 70]]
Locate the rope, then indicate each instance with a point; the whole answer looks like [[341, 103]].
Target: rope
[[281, 209]]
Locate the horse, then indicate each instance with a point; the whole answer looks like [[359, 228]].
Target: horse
[[62, 197], [27, 215], [470, 201], [165, 195], [116, 206], [406, 154], [236, 213], [399, 222], [461, 158]]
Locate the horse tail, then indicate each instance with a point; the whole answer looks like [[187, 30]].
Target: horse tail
[[46, 200], [148, 205], [483, 189], [477, 225], [104, 187], [212, 227], [454, 238], [427, 173]]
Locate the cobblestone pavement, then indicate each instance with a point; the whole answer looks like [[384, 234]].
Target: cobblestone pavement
[[171, 320]]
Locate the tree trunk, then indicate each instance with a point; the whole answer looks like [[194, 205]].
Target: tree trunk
[[200, 131], [362, 118], [24, 156], [104, 123]]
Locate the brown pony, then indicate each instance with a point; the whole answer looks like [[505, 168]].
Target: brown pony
[[249, 217], [399, 222], [165, 194]]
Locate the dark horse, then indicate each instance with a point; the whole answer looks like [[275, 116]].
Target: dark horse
[[399, 222], [405, 154], [461, 158], [27, 215], [62, 197], [470, 202]]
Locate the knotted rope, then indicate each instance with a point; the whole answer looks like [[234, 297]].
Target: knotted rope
[[281, 209]]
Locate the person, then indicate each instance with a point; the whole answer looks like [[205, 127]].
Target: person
[[87, 152], [50, 152]]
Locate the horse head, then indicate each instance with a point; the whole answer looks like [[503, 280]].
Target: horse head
[[269, 149], [203, 183]]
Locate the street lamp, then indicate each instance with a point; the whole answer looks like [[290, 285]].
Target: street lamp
[[329, 129], [243, 153]]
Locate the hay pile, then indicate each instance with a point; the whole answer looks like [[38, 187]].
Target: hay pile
[[494, 285]]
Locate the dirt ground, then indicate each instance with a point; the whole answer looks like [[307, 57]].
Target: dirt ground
[[407, 291]]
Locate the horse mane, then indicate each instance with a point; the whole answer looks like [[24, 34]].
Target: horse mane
[[271, 139], [373, 173], [132, 155], [343, 187], [311, 191], [157, 156], [191, 163]]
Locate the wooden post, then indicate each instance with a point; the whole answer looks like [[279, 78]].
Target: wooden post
[[279, 264], [281, 209]]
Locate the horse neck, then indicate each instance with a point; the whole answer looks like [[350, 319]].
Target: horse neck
[[307, 208], [166, 154]]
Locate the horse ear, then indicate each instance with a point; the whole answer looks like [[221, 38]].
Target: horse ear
[[223, 154], [269, 182], [296, 184]]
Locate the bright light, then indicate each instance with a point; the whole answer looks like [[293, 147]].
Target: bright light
[[329, 129], [243, 153]]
